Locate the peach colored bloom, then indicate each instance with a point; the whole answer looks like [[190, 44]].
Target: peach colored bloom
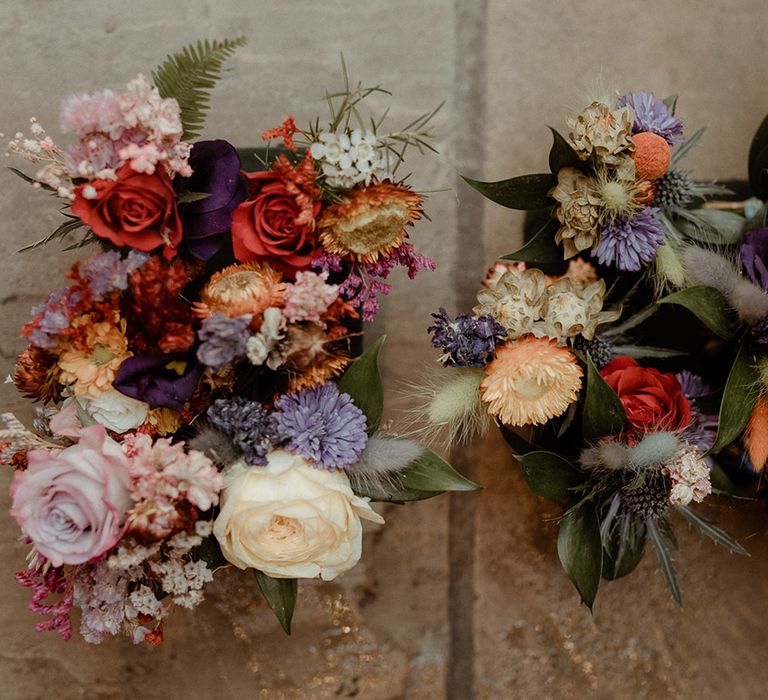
[[92, 370], [531, 381]]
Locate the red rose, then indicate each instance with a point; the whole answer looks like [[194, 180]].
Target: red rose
[[136, 210], [652, 400], [277, 224]]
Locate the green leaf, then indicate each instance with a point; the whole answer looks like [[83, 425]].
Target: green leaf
[[562, 155], [63, 230], [580, 551], [739, 397], [520, 444], [632, 322], [362, 381], [430, 472], [387, 491], [189, 76], [622, 554], [713, 532], [604, 413], [707, 304], [189, 197], [209, 551], [683, 149], [541, 248], [280, 594], [671, 103], [638, 351], [712, 226], [665, 560], [524, 192], [549, 475], [758, 161], [722, 484]]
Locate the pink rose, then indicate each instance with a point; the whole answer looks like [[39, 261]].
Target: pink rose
[[72, 504], [66, 422]]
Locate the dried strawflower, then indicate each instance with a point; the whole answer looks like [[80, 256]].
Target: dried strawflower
[[601, 132], [579, 211], [248, 288], [531, 381]]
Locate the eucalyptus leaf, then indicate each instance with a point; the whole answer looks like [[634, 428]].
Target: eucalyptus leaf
[[713, 226], [362, 381], [581, 551], [541, 248], [562, 155], [604, 413], [280, 594], [739, 398], [622, 553], [713, 532], [524, 192], [549, 475], [430, 472], [758, 161], [707, 304]]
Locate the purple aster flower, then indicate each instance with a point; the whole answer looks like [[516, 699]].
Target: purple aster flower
[[467, 341], [753, 250], [107, 272], [702, 429], [630, 243], [322, 425], [222, 339], [51, 317], [652, 115], [216, 172], [252, 429], [693, 385], [167, 381]]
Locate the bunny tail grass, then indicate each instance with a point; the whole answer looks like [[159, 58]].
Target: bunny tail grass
[[381, 460]]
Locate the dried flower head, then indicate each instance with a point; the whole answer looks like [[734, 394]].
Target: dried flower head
[[571, 309], [371, 221], [248, 288], [579, 211], [311, 357], [602, 132], [531, 381], [37, 375], [515, 302]]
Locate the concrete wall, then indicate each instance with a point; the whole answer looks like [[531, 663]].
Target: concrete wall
[[457, 597]]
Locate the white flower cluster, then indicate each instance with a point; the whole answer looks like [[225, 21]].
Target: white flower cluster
[[690, 477], [349, 158]]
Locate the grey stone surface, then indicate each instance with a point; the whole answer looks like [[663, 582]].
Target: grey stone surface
[[474, 584]]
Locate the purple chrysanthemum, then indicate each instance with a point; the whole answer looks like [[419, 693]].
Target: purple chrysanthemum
[[107, 272], [630, 243], [652, 115], [322, 425], [467, 341], [252, 429], [222, 339]]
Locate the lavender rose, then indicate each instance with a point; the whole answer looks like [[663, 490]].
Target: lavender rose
[[72, 504]]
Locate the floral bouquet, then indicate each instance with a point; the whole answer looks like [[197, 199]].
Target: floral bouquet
[[200, 402], [597, 384]]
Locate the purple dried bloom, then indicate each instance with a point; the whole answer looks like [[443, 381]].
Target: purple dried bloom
[[252, 429], [600, 351], [222, 339], [107, 272], [467, 341], [753, 250], [760, 331], [156, 380], [51, 317], [652, 115], [693, 385], [629, 244], [322, 426], [702, 429]]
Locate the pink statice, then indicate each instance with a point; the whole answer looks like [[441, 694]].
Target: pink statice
[[364, 282], [47, 581], [100, 594], [166, 481], [309, 297], [136, 125]]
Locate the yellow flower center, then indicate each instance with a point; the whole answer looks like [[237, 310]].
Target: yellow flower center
[[372, 230], [529, 389], [102, 355]]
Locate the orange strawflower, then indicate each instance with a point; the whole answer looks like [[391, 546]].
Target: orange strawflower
[[530, 381], [371, 222]]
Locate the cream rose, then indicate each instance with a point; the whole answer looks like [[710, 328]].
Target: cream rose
[[115, 411], [291, 520]]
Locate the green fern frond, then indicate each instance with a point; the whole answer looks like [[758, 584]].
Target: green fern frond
[[189, 76]]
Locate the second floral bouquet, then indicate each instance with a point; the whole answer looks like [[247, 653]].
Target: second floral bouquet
[[202, 406], [581, 353]]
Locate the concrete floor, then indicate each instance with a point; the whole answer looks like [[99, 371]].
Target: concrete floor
[[459, 597]]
